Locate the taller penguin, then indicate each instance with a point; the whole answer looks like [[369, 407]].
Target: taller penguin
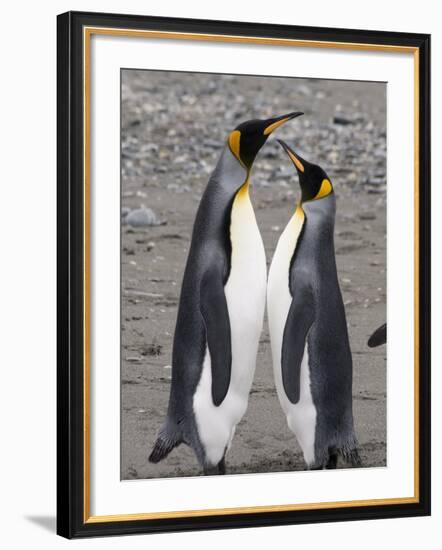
[[221, 308], [308, 330]]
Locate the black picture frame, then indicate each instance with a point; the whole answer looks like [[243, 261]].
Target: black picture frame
[[71, 498]]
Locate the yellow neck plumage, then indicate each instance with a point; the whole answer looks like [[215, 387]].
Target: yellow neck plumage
[[234, 139], [243, 192], [325, 189]]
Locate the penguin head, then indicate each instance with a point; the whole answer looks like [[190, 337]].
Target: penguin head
[[247, 139], [314, 182]]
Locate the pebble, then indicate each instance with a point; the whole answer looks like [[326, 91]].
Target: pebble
[[367, 216], [342, 120], [304, 90], [142, 217], [135, 292], [213, 144]]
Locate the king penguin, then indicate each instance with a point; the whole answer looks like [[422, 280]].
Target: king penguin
[[221, 309], [312, 360]]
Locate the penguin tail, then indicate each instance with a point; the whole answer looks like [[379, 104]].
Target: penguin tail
[[168, 438]]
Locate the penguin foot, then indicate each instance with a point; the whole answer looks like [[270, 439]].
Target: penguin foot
[[210, 470], [219, 469], [222, 466], [329, 460], [354, 459], [332, 462]]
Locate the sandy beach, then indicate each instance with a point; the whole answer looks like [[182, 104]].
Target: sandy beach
[[173, 128]]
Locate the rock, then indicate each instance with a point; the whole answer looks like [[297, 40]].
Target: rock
[[304, 90], [150, 148], [212, 144], [141, 293], [142, 217], [125, 211], [342, 120], [333, 157], [284, 173], [367, 216]]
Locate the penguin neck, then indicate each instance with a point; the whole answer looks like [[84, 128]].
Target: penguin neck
[[243, 191], [239, 192], [242, 205], [321, 210], [244, 234], [227, 185], [297, 221], [320, 218]]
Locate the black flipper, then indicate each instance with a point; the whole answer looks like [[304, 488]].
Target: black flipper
[[216, 320], [299, 320], [168, 438], [378, 337]]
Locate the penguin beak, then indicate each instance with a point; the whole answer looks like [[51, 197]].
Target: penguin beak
[[273, 123], [293, 156]]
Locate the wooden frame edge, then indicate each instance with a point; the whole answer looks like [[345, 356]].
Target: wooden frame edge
[[88, 524]]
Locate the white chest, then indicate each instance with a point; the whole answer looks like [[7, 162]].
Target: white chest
[[246, 287], [245, 293], [301, 417], [278, 290]]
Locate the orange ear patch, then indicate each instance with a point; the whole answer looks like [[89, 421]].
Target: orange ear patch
[[234, 139], [325, 189]]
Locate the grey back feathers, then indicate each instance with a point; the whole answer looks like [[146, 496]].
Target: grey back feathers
[[329, 349], [312, 272]]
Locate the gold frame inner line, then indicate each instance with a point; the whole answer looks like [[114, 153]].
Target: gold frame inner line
[[87, 33]]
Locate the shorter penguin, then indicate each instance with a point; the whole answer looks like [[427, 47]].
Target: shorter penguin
[[378, 337], [308, 330]]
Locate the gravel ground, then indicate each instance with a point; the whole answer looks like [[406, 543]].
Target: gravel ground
[[173, 127]]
